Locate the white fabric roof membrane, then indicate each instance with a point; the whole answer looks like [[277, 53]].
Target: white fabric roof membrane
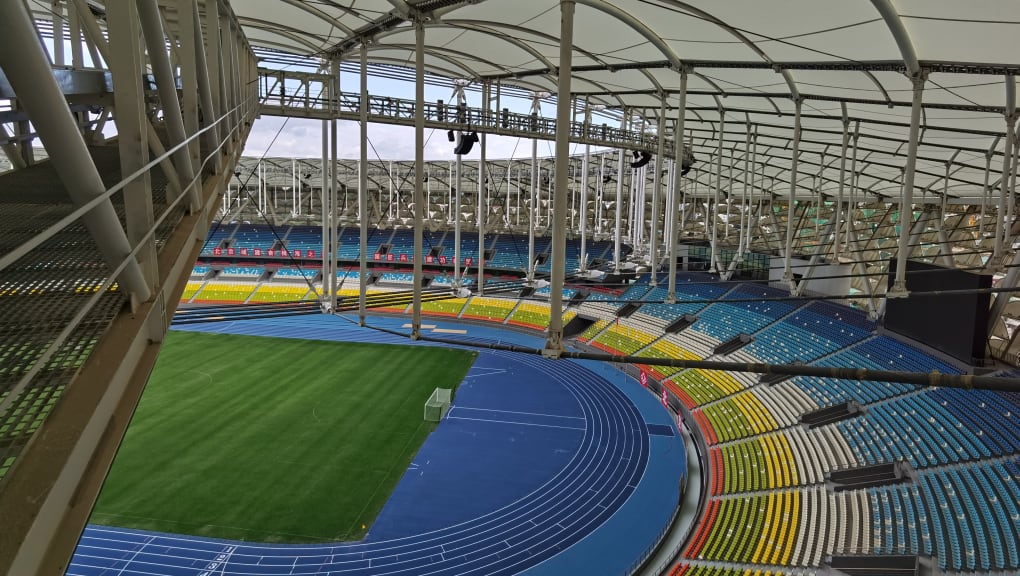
[[746, 58]]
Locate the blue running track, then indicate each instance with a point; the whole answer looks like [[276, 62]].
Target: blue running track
[[540, 467]]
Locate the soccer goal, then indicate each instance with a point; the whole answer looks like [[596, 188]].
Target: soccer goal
[[438, 404]]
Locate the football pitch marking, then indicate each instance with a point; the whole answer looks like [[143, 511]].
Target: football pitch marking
[[478, 372], [516, 412], [519, 423]]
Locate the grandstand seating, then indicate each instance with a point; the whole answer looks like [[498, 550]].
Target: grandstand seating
[[485, 308], [767, 502], [724, 320], [618, 339]]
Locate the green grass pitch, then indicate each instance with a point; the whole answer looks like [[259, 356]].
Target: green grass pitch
[[273, 439]]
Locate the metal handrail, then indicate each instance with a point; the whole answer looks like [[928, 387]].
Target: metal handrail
[[15, 391], [37, 240]]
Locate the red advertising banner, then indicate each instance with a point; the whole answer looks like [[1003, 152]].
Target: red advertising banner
[[283, 253], [377, 256], [230, 251], [390, 258], [467, 261], [296, 253], [644, 379], [403, 257], [430, 259], [665, 397], [258, 251], [310, 254], [244, 251], [270, 252], [442, 259], [217, 251]]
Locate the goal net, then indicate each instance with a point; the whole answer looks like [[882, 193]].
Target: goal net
[[438, 404]]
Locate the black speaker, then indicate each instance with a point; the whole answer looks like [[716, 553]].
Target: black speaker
[[641, 158], [467, 142]]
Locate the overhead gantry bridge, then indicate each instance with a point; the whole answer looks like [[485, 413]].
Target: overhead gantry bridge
[[297, 94]]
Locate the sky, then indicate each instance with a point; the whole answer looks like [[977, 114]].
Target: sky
[[302, 138], [272, 136]]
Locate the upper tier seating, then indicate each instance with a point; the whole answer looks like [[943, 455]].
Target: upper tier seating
[[724, 320]]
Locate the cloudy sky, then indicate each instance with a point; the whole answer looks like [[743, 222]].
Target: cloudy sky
[[300, 138]]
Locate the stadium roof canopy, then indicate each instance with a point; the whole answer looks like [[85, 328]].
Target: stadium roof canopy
[[748, 61]]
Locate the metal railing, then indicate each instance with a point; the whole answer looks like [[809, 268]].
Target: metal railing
[[288, 93], [39, 239]]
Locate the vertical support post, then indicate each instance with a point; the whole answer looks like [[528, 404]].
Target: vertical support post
[[750, 166], [166, 85], [74, 23], [327, 270], [986, 192], [363, 186], [554, 342], [419, 170], [483, 189], [678, 152], [459, 167], [850, 204], [22, 59], [532, 210], [583, 212], [792, 202], [129, 100], [660, 162], [57, 10], [899, 288], [334, 180], [617, 247], [787, 274], [1000, 229], [842, 178], [714, 213]]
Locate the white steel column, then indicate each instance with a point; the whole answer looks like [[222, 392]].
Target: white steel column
[[619, 200], [850, 206], [483, 188], [456, 223], [714, 213], [842, 178], [583, 213], [899, 288], [744, 232], [324, 203], [1000, 229], [678, 152], [57, 11], [660, 162], [791, 207], [532, 211], [28, 70], [334, 180], [363, 186], [554, 343], [419, 169]]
